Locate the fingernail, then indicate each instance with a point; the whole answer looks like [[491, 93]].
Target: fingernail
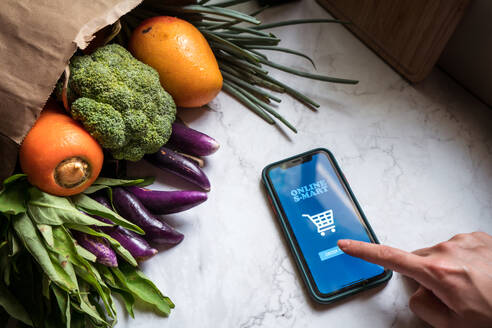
[[343, 244]]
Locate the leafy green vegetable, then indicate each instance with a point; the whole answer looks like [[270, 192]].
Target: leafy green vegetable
[[52, 210], [27, 233], [85, 253], [93, 207], [110, 182], [14, 243], [134, 281], [100, 287], [12, 197], [104, 183], [13, 178], [46, 278], [47, 233], [65, 246], [117, 287], [63, 301], [120, 102], [86, 307]]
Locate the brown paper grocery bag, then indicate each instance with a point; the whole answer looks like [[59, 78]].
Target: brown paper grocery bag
[[37, 38]]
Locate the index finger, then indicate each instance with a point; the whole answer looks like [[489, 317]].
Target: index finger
[[408, 264]]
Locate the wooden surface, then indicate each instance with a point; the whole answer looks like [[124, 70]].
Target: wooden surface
[[409, 34]]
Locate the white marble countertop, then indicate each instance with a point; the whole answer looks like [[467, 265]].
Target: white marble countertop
[[418, 158]]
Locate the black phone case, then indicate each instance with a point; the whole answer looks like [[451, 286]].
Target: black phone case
[[297, 252]]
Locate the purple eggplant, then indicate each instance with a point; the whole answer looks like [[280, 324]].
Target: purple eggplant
[[97, 246], [133, 242], [191, 141], [173, 162], [132, 209], [166, 202]]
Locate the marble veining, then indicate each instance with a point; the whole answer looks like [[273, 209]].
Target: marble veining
[[418, 158]]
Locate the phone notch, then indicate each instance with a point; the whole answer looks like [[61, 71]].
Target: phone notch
[[296, 161]]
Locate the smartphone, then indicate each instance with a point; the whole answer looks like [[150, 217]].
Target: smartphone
[[316, 208]]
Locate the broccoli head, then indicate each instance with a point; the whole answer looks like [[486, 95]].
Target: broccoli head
[[120, 102]]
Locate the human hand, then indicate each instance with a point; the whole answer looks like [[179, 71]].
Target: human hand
[[455, 277]]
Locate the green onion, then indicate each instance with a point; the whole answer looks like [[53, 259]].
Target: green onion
[[299, 21], [225, 25], [305, 74], [238, 29], [248, 86], [269, 109], [240, 63], [251, 38], [287, 50], [230, 45], [229, 3], [248, 103], [294, 93], [211, 10]]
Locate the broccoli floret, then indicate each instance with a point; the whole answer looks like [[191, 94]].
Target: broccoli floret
[[120, 102]]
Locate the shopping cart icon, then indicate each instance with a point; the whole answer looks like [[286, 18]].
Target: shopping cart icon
[[323, 221]]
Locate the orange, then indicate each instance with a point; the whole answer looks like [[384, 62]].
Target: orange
[[58, 155], [187, 66]]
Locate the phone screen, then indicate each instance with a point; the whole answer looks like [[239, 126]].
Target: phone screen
[[319, 211]]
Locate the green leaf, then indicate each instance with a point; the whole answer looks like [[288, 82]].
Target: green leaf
[[14, 245], [106, 274], [45, 283], [141, 287], [85, 253], [107, 183], [66, 266], [28, 235], [53, 210], [147, 181], [96, 282], [86, 308], [117, 287], [12, 306], [93, 207], [94, 188], [63, 300], [128, 300], [13, 197], [13, 178], [47, 233], [78, 320], [65, 246], [7, 274], [122, 182], [123, 252]]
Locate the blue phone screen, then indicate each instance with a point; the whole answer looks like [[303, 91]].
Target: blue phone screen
[[320, 212]]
